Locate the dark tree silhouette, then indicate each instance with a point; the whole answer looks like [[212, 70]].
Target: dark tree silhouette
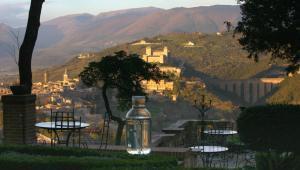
[[124, 73], [273, 27], [27, 47], [228, 25]]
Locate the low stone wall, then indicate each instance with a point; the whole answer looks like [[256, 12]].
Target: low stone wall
[[181, 133]]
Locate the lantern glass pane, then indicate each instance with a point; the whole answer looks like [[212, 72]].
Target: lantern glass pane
[[138, 136]]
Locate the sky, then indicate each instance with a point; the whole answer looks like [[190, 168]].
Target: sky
[[14, 12]]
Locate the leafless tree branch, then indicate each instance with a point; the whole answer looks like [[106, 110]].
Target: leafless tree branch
[[14, 48]]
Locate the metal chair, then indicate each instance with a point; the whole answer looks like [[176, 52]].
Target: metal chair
[[240, 155], [65, 127], [223, 125], [221, 131]]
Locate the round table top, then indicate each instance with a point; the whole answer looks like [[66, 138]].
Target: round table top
[[51, 125], [208, 149], [221, 132]]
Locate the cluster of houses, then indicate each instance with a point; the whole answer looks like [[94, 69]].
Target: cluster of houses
[[50, 92]]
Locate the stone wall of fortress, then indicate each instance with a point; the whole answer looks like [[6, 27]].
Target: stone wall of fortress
[[159, 57]]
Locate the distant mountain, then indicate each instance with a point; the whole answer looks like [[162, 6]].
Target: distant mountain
[[62, 38], [5, 39]]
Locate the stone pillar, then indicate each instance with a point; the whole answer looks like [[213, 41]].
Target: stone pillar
[[269, 88], [19, 118], [238, 88], [246, 91], [255, 93], [261, 90], [222, 85], [226, 87], [250, 92], [230, 87]]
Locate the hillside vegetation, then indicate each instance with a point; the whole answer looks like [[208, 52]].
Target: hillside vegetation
[[288, 92], [217, 56]]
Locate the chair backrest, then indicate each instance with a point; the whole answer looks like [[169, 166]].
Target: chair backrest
[[205, 133], [64, 119], [223, 125]]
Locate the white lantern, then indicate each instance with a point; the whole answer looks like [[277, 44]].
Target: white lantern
[[138, 127]]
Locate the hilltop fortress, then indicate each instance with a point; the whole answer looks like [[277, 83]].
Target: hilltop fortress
[[159, 57]]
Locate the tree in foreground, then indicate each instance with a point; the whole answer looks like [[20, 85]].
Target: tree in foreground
[[271, 27], [27, 47], [272, 131], [124, 73]]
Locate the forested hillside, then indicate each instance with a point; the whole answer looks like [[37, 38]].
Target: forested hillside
[[216, 56], [288, 91], [212, 56]]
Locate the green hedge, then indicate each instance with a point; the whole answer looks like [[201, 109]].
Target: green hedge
[[275, 127], [277, 161], [46, 158]]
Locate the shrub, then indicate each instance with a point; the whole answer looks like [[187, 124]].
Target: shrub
[[277, 161], [46, 158], [271, 127]]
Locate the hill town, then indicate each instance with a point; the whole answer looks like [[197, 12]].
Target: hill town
[[171, 86]]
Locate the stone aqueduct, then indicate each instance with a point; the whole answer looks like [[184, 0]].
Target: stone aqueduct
[[250, 90]]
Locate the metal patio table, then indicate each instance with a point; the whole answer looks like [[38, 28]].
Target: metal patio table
[[69, 127], [220, 132]]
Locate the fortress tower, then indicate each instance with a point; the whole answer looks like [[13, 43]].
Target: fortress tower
[[148, 51], [157, 56]]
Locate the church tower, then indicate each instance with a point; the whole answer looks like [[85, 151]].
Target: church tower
[[45, 78], [66, 77]]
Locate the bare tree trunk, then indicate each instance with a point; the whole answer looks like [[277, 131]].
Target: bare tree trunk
[[27, 47], [121, 125], [106, 102], [120, 121]]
